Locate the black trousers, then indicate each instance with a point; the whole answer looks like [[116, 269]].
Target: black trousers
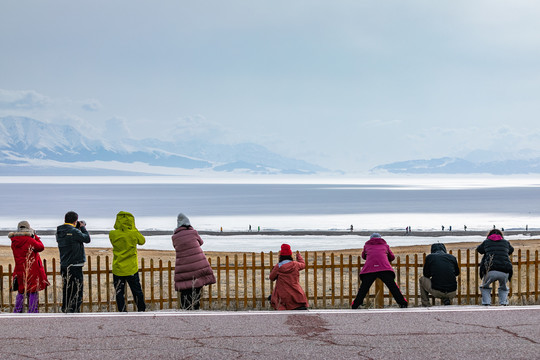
[[72, 288], [190, 299], [135, 286], [387, 277]]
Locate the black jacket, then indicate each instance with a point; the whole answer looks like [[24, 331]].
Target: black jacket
[[496, 251], [442, 268], [71, 244]]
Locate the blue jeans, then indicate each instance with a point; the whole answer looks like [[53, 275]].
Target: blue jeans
[[135, 286], [489, 278]]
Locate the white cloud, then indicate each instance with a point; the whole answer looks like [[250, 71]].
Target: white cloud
[[198, 127], [92, 105], [22, 99], [116, 128]]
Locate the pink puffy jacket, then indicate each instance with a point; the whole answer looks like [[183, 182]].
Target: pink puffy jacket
[[378, 256], [192, 269]]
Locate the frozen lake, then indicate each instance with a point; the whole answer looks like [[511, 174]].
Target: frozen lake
[[369, 204], [266, 243]]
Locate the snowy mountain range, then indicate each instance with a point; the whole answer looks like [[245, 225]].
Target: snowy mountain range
[[30, 146], [449, 165]]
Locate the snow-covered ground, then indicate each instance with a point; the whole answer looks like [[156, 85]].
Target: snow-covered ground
[[258, 243]]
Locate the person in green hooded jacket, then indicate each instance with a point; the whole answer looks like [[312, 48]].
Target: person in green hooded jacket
[[124, 238]]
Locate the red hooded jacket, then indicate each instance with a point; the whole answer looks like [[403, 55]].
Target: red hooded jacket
[[288, 294], [31, 276]]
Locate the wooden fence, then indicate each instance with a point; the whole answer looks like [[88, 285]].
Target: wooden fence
[[330, 281]]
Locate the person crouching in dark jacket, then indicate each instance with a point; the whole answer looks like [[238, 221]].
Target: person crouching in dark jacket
[[71, 237], [495, 266], [439, 280]]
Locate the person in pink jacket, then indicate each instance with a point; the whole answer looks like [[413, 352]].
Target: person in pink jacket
[[288, 294], [192, 270], [378, 256]]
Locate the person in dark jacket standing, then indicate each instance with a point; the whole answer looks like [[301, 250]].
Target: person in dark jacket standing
[[71, 237], [495, 266], [439, 280]]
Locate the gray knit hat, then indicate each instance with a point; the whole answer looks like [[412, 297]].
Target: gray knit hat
[[182, 220], [24, 226], [375, 235]]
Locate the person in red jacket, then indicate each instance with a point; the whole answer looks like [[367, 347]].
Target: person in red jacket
[[378, 256], [288, 294], [29, 276]]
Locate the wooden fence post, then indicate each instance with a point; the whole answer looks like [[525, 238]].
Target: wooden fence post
[[379, 294]]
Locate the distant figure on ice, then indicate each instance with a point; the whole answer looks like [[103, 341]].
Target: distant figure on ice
[[351, 228], [465, 227], [288, 293], [495, 266], [29, 276], [125, 268], [249, 228], [71, 237], [378, 256], [442, 227], [526, 227], [450, 228], [439, 280], [192, 270]]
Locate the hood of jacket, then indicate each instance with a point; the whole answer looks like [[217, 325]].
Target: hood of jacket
[[438, 247], [287, 267], [63, 230], [376, 241], [495, 237], [124, 221], [19, 238]]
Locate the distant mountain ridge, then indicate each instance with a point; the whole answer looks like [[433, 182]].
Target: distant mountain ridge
[[447, 165], [26, 141]]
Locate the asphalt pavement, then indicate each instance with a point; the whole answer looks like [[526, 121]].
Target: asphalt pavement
[[453, 332]]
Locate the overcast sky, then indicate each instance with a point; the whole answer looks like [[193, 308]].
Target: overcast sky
[[343, 84]]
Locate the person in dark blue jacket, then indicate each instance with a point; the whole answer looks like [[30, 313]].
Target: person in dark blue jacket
[[71, 237], [439, 280]]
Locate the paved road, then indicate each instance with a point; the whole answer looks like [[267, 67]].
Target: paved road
[[417, 333]]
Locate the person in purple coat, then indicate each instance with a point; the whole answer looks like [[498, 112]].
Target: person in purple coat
[[192, 270], [378, 256]]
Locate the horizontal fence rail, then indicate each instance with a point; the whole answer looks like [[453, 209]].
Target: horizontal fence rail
[[329, 281]]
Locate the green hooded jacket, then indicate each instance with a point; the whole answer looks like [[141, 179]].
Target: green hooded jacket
[[124, 238]]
